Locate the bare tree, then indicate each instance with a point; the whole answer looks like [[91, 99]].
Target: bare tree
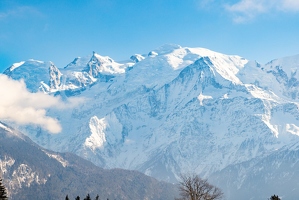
[[192, 187]]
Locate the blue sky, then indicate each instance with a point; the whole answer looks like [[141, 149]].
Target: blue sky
[[60, 30]]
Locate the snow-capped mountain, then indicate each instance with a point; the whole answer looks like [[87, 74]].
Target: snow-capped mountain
[[31, 172], [174, 110]]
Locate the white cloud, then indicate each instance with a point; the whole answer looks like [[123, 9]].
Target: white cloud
[[246, 10], [290, 5], [17, 104]]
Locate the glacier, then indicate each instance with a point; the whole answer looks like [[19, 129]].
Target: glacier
[[174, 110]]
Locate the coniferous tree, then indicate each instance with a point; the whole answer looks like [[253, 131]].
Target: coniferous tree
[[274, 197], [3, 194], [77, 198], [67, 197], [87, 197], [97, 197]]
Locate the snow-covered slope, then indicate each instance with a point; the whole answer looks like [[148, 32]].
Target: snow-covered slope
[[33, 72], [174, 110]]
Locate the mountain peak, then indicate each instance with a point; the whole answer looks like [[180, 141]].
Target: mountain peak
[[167, 48], [137, 58], [102, 59], [103, 65]]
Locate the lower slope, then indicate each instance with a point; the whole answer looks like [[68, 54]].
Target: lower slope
[[31, 172], [259, 178]]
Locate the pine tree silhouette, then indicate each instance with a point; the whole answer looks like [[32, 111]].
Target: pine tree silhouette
[[274, 197], [87, 197], [3, 194]]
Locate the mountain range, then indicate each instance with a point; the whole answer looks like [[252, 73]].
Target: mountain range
[[177, 110]]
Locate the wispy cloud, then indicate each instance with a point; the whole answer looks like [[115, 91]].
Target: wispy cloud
[[19, 11], [20, 106], [246, 10], [290, 5], [204, 3]]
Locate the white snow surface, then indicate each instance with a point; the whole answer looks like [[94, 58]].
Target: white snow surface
[[201, 97], [16, 65], [108, 66], [177, 110], [6, 163], [97, 137], [57, 157], [5, 127], [22, 174]]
